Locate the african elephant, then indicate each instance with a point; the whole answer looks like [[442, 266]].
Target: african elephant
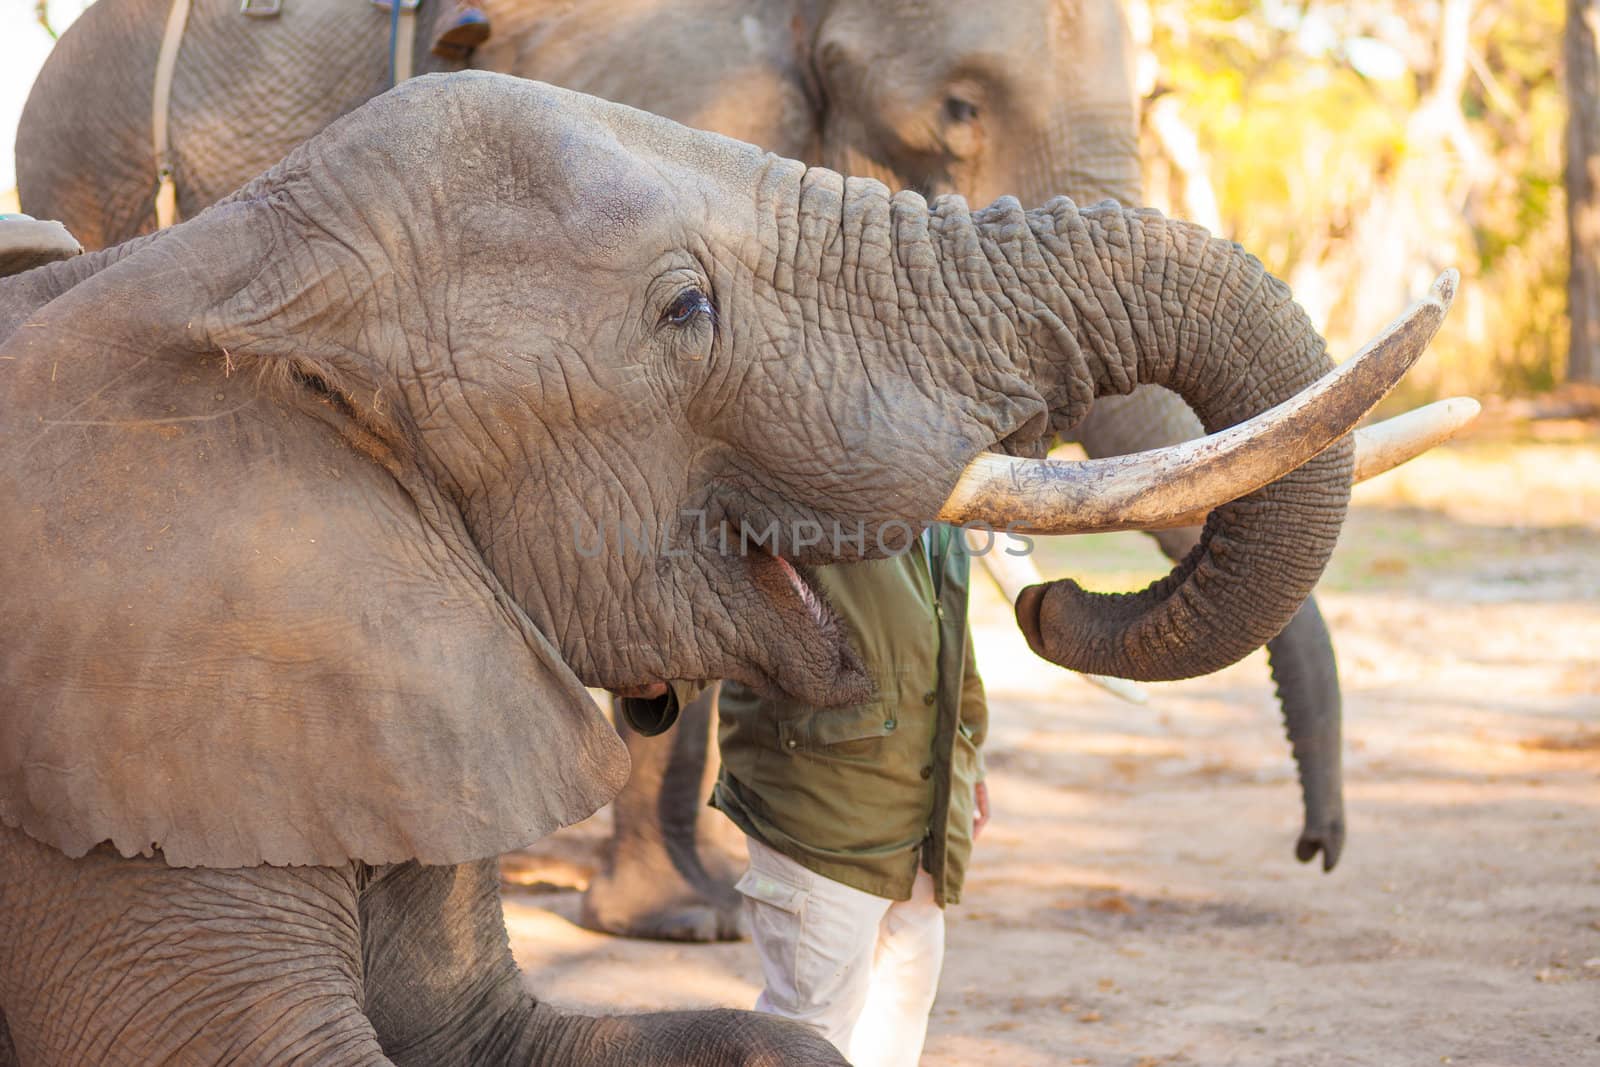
[[1032, 97], [303, 494]]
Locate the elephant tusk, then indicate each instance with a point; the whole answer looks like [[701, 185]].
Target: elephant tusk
[[1154, 489], [1383, 446]]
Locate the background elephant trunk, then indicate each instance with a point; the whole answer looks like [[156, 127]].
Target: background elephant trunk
[[1308, 690], [1307, 678], [1104, 299]]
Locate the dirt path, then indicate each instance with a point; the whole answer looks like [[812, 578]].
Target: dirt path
[[1136, 902]]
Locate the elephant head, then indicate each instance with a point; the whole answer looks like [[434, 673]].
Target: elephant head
[[1032, 101], [307, 488]]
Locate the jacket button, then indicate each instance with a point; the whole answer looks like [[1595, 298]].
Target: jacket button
[[927, 772], [889, 724], [793, 742], [929, 697]]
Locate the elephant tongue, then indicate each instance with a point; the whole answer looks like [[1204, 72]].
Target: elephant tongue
[[807, 595]]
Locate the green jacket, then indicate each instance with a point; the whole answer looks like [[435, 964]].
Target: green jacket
[[865, 794]]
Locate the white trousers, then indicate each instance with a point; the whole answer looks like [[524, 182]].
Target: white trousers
[[861, 969]]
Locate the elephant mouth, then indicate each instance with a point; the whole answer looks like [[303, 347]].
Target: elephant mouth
[[821, 612], [809, 655]]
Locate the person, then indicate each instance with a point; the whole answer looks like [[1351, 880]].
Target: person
[[860, 820]]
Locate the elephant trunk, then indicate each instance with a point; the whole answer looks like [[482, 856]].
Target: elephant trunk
[[1101, 300], [1091, 155], [1308, 689], [1101, 161]]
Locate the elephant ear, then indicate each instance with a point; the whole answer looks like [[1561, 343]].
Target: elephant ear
[[241, 626]]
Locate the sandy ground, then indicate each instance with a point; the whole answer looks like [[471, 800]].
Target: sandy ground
[[1136, 901]]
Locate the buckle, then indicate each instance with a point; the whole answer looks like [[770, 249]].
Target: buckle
[[260, 9]]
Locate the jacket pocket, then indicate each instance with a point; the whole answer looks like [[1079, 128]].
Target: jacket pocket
[[854, 731]]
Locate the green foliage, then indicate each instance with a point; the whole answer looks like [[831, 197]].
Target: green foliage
[[1341, 159]]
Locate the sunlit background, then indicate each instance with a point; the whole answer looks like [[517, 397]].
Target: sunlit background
[[1358, 148]]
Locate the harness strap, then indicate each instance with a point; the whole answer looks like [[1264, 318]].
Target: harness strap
[[166, 63]]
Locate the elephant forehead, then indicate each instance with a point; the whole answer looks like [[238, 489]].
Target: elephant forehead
[[614, 177], [607, 197]]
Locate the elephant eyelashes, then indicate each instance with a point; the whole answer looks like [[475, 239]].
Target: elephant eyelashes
[[685, 307], [690, 322]]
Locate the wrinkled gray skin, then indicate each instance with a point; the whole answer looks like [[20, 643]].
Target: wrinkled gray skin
[[1032, 97], [299, 623]]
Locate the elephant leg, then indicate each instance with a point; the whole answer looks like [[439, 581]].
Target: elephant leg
[[107, 960], [1301, 656], [443, 988], [669, 866]]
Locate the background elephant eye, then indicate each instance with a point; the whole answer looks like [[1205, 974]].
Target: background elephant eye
[[960, 110], [685, 306]]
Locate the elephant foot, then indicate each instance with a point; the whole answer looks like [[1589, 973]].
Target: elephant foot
[[642, 906], [670, 865]]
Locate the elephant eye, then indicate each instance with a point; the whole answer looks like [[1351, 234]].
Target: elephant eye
[[959, 110], [685, 306]]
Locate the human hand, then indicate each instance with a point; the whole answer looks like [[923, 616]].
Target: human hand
[[980, 814]]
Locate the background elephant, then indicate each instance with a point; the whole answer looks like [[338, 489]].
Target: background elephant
[[294, 652], [1032, 97]]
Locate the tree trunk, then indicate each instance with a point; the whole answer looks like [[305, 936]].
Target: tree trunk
[[1583, 188]]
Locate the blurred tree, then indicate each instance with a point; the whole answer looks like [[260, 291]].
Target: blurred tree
[[1177, 174], [1360, 147], [1583, 188]]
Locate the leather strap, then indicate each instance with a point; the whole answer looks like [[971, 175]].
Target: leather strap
[[166, 63]]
